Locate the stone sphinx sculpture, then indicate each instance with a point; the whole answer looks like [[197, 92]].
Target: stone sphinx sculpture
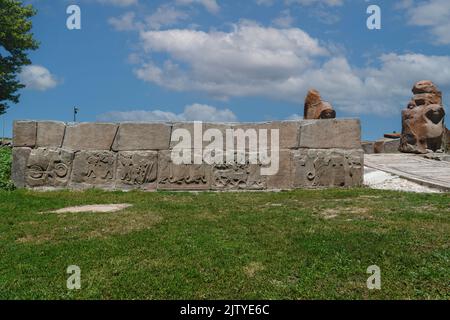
[[315, 108], [423, 120]]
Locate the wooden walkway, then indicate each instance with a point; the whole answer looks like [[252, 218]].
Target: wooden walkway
[[413, 167]]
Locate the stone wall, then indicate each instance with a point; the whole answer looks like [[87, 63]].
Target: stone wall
[[53, 155]]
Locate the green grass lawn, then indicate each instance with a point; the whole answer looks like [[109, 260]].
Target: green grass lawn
[[304, 244]]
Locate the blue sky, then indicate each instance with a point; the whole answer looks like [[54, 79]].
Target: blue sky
[[233, 60]]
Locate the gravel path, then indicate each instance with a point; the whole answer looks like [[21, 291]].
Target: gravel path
[[377, 179]]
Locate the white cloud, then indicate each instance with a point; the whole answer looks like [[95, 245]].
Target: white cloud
[[165, 15], [194, 112], [283, 64], [210, 5], [266, 3], [126, 22], [120, 3], [284, 20], [37, 77], [434, 14], [331, 3]]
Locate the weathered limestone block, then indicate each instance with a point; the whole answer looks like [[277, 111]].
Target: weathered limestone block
[[387, 146], [49, 167], [288, 133], [90, 136], [19, 166], [327, 168], [94, 169], [234, 174], [202, 130], [142, 136], [368, 147], [50, 134], [283, 179], [315, 108], [325, 134], [24, 134], [172, 176], [423, 120], [137, 169]]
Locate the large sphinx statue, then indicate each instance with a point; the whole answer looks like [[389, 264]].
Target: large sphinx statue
[[423, 120], [315, 108]]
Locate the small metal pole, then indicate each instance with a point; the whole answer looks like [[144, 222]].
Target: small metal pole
[[75, 111]]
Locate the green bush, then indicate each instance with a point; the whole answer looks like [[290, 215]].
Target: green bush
[[5, 169]]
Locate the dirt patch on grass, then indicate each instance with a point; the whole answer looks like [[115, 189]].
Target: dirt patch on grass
[[101, 208], [347, 212], [252, 268], [71, 226]]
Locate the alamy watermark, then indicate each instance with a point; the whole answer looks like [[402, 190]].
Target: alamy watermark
[[74, 280], [73, 21], [374, 281], [235, 146], [374, 20]]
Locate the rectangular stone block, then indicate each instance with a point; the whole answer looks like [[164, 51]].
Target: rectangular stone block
[[89, 136], [24, 134], [332, 133], [48, 167], [94, 169], [368, 147], [327, 168], [234, 174], [50, 134], [142, 136], [137, 170], [288, 133], [19, 166], [206, 134], [283, 178], [172, 176], [387, 146]]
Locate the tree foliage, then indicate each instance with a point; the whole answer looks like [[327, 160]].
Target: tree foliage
[[16, 39]]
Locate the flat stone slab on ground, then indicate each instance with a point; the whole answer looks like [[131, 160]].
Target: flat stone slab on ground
[[102, 208], [435, 174]]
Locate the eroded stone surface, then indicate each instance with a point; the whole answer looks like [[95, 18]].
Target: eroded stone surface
[[19, 166], [237, 174], [24, 133], [173, 176], [50, 134], [325, 134], [142, 136], [423, 120], [49, 167], [95, 168], [328, 168], [89, 136], [137, 169]]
